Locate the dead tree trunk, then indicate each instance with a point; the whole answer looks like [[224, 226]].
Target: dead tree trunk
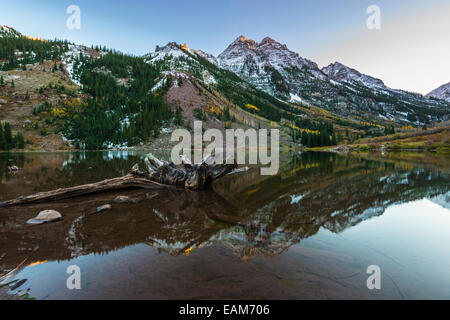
[[159, 174]]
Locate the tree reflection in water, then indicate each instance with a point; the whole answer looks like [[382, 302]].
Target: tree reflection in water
[[248, 213]]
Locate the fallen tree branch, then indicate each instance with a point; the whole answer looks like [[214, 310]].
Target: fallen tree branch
[[128, 181], [159, 174]]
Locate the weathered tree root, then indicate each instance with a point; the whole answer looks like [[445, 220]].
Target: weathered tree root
[[192, 176], [160, 174]]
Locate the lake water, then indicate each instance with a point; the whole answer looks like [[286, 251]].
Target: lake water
[[310, 232]]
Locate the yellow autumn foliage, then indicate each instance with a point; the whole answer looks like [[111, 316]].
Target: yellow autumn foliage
[[59, 112], [212, 108], [69, 107], [250, 106], [303, 130]]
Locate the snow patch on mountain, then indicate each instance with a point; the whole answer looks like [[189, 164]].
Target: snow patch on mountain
[[206, 56], [74, 53], [170, 51], [69, 60], [295, 98], [339, 72], [161, 83], [443, 93], [6, 31]]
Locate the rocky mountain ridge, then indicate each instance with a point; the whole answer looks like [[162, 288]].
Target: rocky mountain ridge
[[271, 67], [443, 92]]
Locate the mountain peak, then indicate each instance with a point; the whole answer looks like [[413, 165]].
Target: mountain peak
[[443, 92], [267, 40], [6, 31], [6, 28], [340, 72], [171, 49], [263, 61], [337, 64], [252, 44], [176, 50], [242, 41]]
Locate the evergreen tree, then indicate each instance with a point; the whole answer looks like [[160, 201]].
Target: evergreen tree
[[333, 140], [2, 138], [303, 138], [226, 114], [309, 140], [20, 141], [179, 117], [8, 136]]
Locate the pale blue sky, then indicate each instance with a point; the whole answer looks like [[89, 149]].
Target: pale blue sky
[[321, 30]]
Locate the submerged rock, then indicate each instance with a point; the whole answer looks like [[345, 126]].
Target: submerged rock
[[125, 199], [46, 217], [105, 207]]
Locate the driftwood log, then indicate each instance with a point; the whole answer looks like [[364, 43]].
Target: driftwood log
[[159, 174]]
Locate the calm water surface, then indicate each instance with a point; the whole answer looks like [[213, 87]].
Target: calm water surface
[[308, 233]]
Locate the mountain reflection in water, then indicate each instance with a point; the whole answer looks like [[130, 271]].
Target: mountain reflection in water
[[249, 214]]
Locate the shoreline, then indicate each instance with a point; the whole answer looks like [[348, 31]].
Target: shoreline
[[336, 149], [356, 149]]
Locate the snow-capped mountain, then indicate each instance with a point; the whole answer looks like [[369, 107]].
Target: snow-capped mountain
[[271, 67], [339, 72], [171, 50], [238, 55], [443, 93], [268, 65], [179, 60]]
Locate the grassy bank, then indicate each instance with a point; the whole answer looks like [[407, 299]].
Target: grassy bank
[[435, 139]]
